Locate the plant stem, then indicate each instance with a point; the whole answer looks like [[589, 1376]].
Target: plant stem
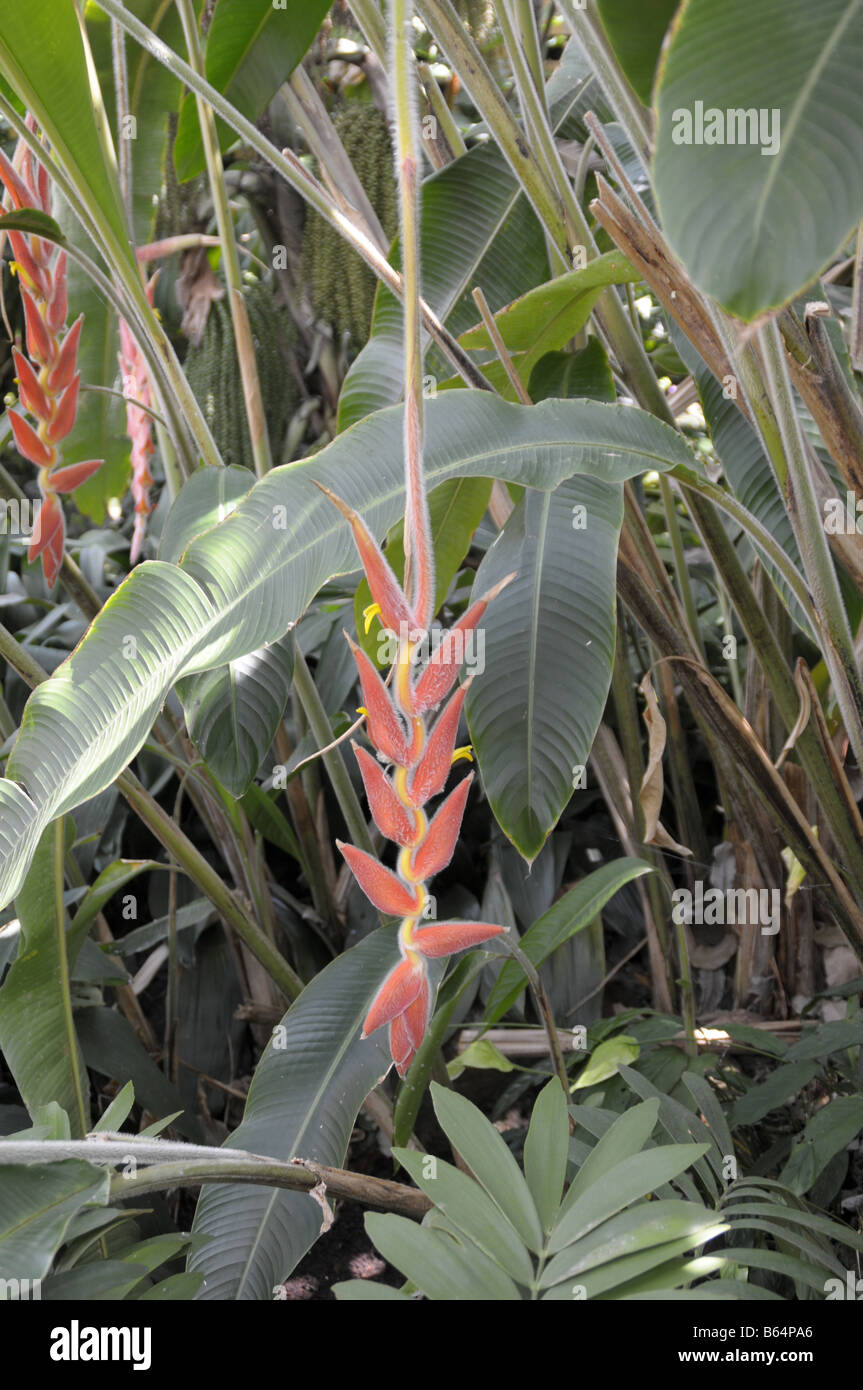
[[586, 25], [321, 728], [419, 582], [239, 314]]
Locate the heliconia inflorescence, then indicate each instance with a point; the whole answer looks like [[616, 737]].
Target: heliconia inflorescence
[[139, 425], [420, 759], [48, 383]]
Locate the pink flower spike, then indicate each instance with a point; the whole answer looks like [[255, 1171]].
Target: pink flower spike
[[398, 991], [439, 676], [73, 475], [58, 303], [386, 590], [433, 767], [408, 1029], [48, 536], [67, 409], [31, 274], [18, 190], [28, 442], [380, 885], [438, 847], [385, 728], [443, 938], [395, 821], [39, 344], [32, 396], [63, 369]]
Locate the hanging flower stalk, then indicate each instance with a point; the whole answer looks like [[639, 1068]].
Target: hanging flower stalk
[[419, 755], [139, 425], [48, 383]]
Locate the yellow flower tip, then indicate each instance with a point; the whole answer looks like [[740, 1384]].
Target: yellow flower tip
[[465, 752], [372, 611], [14, 267], [361, 709]]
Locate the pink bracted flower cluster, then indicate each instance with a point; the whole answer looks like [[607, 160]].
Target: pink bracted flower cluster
[[421, 759], [48, 383], [139, 425]]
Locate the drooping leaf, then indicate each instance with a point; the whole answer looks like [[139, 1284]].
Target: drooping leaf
[[549, 649], [570, 914], [37, 1032], [303, 1101], [762, 100]]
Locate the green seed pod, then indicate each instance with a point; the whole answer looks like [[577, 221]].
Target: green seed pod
[[341, 286], [213, 372]]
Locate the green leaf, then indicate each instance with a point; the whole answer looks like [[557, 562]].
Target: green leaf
[[234, 592], [549, 650], [663, 1226], [571, 374], [545, 1151], [780, 1087], [367, 1291], [480, 1054], [570, 914], [204, 501], [303, 1101], [108, 882], [111, 1046], [829, 1038], [464, 1203], [443, 1270], [635, 30], [625, 1183], [34, 222], [103, 1279], [37, 1202], [476, 229], [177, 1288], [118, 1111], [490, 1161], [252, 48], [607, 1059], [830, 1130], [233, 712], [755, 222], [625, 1137], [455, 511], [37, 1032]]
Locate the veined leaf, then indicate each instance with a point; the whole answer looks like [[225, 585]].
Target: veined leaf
[[37, 1032], [759, 144], [37, 1202], [574, 911], [252, 48], [242, 583], [303, 1102]]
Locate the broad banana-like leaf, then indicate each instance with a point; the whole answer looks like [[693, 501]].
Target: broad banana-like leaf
[[37, 1029], [534, 710], [37, 1202], [303, 1101], [243, 583], [759, 144]]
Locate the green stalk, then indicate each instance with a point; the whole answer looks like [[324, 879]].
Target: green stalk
[[368, 16], [313, 707], [239, 314], [586, 25], [418, 547], [812, 539], [59, 855]]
